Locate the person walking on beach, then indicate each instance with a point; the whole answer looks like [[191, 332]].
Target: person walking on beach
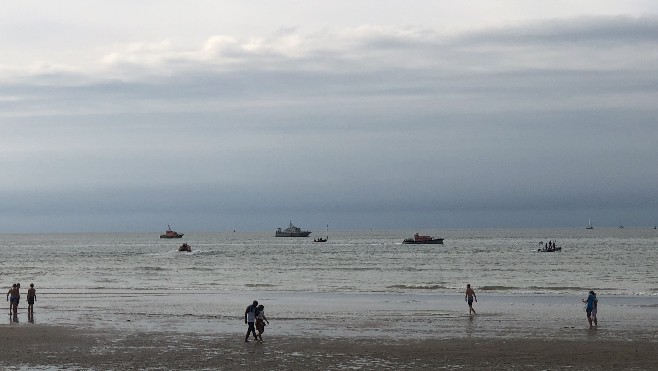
[[469, 297], [249, 319], [31, 298], [592, 303], [260, 322]]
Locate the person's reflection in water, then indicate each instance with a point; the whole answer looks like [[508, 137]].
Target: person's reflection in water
[[470, 327]]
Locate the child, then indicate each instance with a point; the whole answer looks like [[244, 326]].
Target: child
[[260, 322]]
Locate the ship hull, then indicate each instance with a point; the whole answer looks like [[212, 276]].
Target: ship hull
[[171, 236], [287, 234], [435, 241]]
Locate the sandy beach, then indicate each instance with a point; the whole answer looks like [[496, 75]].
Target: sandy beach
[[45, 346]]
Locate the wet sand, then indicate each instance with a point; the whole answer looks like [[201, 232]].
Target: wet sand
[[46, 346]]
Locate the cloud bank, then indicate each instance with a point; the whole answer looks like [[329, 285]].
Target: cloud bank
[[361, 127]]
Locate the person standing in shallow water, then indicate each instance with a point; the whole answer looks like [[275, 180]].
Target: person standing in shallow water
[[592, 303], [18, 298], [469, 297], [31, 298], [11, 298]]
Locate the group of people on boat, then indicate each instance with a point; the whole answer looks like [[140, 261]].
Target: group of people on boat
[[550, 246]]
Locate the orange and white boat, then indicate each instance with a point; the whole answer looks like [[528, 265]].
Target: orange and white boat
[[171, 234]]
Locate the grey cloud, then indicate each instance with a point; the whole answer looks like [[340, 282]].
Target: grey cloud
[[585, 30], [387, 133]]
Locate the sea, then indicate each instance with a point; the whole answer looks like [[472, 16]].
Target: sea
[[359, 283]]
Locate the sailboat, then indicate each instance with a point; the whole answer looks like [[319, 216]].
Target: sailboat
[[320, 239], [589, 224]]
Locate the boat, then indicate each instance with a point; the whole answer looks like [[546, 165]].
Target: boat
[[185, 247], [291, 231], [418, 239], [549, 247], [171, 234], [320, 239], [589, 224]]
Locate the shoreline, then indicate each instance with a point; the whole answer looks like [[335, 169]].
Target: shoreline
[[47, 346], [332, 331], [345, 315]]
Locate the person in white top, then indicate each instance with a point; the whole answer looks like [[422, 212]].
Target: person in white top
[[249, 319]]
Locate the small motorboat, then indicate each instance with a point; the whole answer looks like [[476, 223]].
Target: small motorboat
[[320, 239], [185, 247], [418, 239], [549, 247]]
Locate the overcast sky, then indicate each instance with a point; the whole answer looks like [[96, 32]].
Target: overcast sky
[[214, 116]]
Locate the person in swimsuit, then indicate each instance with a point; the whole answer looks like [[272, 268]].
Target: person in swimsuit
[[18, 298], [11, 298], [31, 298], [470, 296]]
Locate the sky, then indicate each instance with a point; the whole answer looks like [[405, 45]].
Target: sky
[[124, 116]]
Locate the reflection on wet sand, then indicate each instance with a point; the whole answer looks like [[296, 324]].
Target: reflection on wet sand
[[13, 318]]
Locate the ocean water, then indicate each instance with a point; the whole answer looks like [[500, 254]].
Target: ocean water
[[358, 282]]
